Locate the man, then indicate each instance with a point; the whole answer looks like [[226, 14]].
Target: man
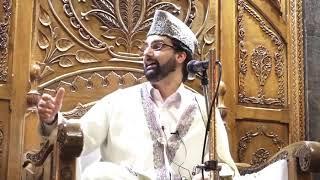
[[154, 130]]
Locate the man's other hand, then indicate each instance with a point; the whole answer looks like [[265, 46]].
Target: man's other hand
[[49, 106]]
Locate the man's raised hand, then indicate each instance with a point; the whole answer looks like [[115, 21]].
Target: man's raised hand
[[49, 106]]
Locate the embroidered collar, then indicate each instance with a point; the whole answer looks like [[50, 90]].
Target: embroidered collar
[[161, 150]]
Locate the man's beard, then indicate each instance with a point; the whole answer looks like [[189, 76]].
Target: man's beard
[[159, 72]]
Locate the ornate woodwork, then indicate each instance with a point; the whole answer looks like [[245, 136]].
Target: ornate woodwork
[[93, 46], [261, 154], [101, 31], [261, 59], [5, 27], [302, 155], [4, 39], [262, 80], [297, 73]]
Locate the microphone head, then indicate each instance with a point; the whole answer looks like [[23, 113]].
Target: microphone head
[[195, 66], [190, 66]]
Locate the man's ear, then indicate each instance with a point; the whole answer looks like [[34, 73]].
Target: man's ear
[[181, 57]]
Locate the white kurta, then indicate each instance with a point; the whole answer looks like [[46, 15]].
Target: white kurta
[[133, 130]]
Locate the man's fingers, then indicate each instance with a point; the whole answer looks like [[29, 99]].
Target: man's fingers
[[59, 96], [45, 110], [48, 106], [47, 97]]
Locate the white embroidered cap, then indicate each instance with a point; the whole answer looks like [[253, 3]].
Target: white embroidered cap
[[164, 23]]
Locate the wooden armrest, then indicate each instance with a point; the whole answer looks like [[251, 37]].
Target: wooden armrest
[[70, 140], [306, 155], [242, 166]]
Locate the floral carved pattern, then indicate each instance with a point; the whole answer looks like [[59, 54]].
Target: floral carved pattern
[[4, 39], [57, 49], [209, 40], [122, 22], [261, 65], [248, 138], [67, 37], [262, 55], [260, 156], [129, 18]]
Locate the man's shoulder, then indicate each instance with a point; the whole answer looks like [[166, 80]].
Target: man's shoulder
[[189, 91]]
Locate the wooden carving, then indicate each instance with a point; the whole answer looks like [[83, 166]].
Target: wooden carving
[[257, 167], [276, 4], [4, 38], [261, 154], [261, 60], [303, 154], [38, 158], [261, 65], [298, 110], [101, 30], [110, 83]]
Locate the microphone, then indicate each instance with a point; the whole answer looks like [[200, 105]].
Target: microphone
[[176, 132], [195, 66]]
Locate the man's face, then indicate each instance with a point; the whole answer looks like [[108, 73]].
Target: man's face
[[159, 58]]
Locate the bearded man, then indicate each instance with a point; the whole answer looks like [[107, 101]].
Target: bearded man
[[153, 130]]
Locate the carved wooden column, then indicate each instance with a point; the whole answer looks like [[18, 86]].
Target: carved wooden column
[[33, 160]]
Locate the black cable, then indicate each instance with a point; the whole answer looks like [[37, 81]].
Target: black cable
[[185, 149], [209, 117], [186, 153]]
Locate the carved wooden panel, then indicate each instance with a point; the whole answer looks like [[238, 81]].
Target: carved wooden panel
[[262, 59], [87, 86], [258, 141], [297, 73], [91, 48], [71, 35], [5, 21], [5, 24], [75, 41], [262, 81], [261, 48], [263, 74], [4, 121]]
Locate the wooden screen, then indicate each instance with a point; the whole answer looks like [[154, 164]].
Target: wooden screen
[[87, 45]]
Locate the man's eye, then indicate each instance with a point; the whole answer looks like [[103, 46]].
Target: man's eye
[[156, 46]]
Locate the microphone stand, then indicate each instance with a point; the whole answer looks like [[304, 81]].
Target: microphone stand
[[212, 164], [205, 89]]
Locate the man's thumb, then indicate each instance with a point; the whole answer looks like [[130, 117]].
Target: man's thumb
[[59, 96]]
